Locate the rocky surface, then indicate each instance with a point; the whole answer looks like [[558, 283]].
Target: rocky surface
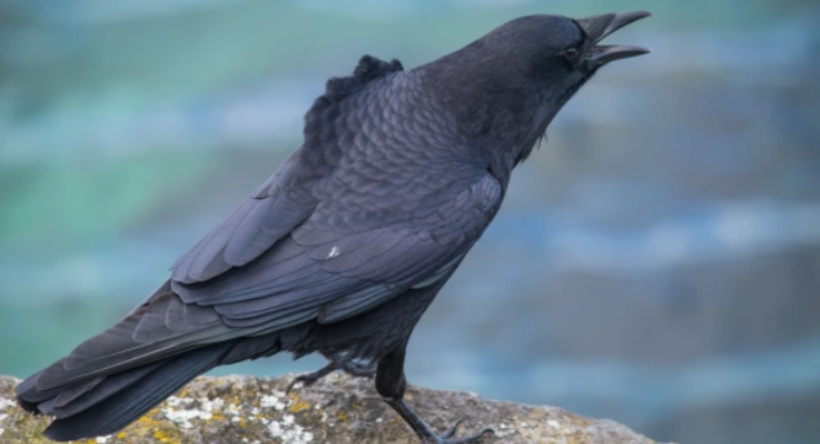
[[338, 409]]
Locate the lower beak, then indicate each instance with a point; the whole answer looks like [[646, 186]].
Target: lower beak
[[600, 26]]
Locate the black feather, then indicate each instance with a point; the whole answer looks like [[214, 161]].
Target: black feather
[[337, 89], [110, 403]]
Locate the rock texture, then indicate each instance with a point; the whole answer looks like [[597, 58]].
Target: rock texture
[[338, 409]]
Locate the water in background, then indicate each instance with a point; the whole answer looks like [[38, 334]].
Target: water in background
[[656, 262]]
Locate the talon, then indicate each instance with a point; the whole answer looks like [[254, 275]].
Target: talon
[[336, 363], [308, 379], [302, 379], [452, 430], [290, 386], [472, 439]]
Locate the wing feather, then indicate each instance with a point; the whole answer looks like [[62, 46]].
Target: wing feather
[[280, 204], [258, 273], [367, 268]]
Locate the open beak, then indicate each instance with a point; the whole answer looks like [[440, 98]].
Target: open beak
[[600, 26]]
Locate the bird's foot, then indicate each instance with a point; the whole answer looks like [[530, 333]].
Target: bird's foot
[[447, 436], [338, 362], [427, 435]]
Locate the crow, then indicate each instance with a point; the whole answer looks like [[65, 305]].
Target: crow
[[345, 246]]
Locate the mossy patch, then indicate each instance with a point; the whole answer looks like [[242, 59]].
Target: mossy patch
[[337, 409]]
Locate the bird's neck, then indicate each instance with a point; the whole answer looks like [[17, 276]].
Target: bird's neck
[[502, 121]]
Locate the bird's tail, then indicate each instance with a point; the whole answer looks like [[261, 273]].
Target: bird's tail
[[106, 404]]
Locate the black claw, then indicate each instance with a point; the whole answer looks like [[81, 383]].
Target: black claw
[[308, 379], [427, 435], [336, 363], [478, 437], [452, 430]]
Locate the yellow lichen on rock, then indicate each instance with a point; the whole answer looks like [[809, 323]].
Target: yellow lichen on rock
[[299, 406], [337, 409]]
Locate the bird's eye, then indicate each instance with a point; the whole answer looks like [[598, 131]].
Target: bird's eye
[[571, 54]]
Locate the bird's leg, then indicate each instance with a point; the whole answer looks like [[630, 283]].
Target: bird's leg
[[338, 361], [390, 384]]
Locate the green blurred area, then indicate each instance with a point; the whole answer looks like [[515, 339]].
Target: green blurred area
[[58, 204], [62, 74]]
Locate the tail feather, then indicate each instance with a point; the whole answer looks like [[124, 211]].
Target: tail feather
[[104, 406], [33, 397], [70, 394], [64, 407]]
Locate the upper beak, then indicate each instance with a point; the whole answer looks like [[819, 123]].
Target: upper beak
[[600, 26]]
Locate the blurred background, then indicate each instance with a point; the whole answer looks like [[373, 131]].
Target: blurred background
[[656, 262]]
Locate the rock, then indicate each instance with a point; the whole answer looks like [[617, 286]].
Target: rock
[[337, 409]]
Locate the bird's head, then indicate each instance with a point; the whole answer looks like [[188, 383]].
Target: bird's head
[[551, 52], [556, 53], [519, 75]]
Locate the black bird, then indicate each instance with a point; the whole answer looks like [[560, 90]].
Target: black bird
[[343, 249]]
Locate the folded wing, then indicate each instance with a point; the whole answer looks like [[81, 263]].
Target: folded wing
[[281, 260]]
